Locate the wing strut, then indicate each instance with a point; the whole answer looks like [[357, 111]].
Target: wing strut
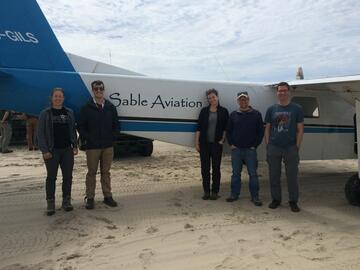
[[352, 187]]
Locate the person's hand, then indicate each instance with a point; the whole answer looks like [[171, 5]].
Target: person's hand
[[232, 147], [75, 151], [47, 156], [221, 142], [197, 146]]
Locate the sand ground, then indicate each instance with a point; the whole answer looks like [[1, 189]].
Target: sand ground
[[162, 222]]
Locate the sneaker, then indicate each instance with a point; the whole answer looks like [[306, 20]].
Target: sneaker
[[50, 210], [294, 207], [214, 196], [7, 151], [256, 201], [66, 204], [110, 201], [274, 204], [232, 199], [90, 204]]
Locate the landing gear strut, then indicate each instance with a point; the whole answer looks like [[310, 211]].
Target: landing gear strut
[[352, 187]]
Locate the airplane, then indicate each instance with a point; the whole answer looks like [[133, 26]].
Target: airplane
[[32, 62]]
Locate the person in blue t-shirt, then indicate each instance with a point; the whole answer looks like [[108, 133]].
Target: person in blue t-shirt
[[283, 135]]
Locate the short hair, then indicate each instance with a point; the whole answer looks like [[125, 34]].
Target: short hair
[[283, 84], [97, 82], [212, 91], [56, 89]]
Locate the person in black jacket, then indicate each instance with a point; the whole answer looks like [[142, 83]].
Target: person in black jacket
[[98, 126], [245, 131], [209, 139]]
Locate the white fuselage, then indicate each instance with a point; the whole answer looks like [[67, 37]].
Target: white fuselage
[[167, 110]]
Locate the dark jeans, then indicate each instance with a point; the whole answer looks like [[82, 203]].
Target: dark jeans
[[238, 157], [290, 155], [64, 158], [210, 153]]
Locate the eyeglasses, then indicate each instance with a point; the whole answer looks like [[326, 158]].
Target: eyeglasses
[[98, 88]]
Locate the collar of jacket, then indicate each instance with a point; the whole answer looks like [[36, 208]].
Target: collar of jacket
[[92, 103]]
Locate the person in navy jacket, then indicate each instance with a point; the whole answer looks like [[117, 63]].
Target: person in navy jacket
[[245, 131]]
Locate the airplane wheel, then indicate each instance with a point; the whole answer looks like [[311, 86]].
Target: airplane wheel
[[352, 190], [147, 149]]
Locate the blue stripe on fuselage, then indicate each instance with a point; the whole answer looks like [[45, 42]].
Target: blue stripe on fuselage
[[191, 127]]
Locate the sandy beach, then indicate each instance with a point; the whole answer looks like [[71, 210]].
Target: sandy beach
[[162, 222]]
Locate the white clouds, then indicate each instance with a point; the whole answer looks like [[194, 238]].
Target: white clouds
[[236, 40]]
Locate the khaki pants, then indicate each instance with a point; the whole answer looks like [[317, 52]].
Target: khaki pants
[[93, 156], [31, 126]]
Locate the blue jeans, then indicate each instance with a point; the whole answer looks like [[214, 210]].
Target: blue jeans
[[238, 157]]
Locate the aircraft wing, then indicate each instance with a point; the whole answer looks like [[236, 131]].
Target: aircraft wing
[[347, 87], [346, 84]]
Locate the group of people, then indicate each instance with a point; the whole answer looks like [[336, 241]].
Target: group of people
[[57, 140], [244, 131], [6, 130]]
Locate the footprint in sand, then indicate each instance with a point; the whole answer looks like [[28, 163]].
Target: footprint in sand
[[203, 239], [73, 256], [145, 257], [152, 230], [96, 245], [110, 226]]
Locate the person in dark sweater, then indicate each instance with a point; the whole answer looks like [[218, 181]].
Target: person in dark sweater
[[98, 127], [209, 139], [245, 131], [57, 140]]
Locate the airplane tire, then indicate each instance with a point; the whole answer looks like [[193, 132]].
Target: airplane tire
[[352, 190], [147, 149]]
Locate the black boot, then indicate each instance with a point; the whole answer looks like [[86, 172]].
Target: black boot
[[110, 201], [66, 204], [90, 203], [50, 210]]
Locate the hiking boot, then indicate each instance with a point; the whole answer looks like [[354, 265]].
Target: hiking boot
[[66, 204], [206, 196], [50, 210], [232, 198], [256, 201], [110, 201], [90, 204], [214, 196], [294, 207], [274, 204]]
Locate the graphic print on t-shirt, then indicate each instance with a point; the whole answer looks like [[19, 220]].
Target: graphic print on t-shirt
[[282, 120], [60, 119]]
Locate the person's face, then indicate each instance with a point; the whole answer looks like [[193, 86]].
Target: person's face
[[98, 90], [243, 103], [283, 93], [57, 99], [213, 99]]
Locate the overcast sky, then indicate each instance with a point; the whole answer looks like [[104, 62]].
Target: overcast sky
[[259, 40]]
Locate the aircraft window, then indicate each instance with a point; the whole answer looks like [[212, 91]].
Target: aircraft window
[[310, 106]]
